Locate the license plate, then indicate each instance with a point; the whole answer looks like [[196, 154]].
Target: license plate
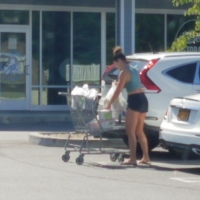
[[183, 115]]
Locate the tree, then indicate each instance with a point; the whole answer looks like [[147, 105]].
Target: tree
[[189, 36]]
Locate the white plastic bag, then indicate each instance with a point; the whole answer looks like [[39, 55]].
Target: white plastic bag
[[119, 105], [77, 91], [90, 97], [85, 89], [76, 94], [83, 97], [110, 93], [92, 93]]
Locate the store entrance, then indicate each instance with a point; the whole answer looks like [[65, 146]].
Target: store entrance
[[14, 68]]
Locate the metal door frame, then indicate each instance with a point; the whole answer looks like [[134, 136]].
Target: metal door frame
[[20, 104]]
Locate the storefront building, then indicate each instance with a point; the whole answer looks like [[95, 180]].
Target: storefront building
[[51, 46]]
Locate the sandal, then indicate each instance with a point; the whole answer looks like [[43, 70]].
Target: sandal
[[144, 162], [128, 163]]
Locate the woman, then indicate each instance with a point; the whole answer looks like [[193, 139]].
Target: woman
[[136, 109]]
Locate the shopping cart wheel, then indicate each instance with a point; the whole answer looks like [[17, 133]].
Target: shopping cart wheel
[[113, 157], [66, 157], [79, 160], [120, 158]]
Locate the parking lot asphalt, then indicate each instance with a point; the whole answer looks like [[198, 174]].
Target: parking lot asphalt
[[38, 172], [160, 157]]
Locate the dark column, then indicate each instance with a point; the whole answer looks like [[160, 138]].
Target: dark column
[[125, 25]]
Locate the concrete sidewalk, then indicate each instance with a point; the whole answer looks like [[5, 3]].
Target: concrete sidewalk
[[59, 140], [54, 134], [48, 128]]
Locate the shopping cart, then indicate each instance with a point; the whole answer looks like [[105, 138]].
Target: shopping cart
[[83, 112]]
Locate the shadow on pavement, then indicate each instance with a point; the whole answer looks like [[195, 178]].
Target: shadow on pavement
[[160, 160], [195, 171]]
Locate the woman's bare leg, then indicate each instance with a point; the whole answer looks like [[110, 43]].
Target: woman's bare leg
[[131, 124], [142, 137]]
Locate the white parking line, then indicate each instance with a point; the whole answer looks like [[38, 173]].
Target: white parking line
[[187, 180]]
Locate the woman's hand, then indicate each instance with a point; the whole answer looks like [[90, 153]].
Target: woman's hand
[[108, 107]]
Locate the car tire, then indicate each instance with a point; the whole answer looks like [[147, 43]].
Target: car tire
[[172, 152], [181, 154], [187, 156]]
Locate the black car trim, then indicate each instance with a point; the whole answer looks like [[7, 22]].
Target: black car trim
[[178, 145], [151, 118]]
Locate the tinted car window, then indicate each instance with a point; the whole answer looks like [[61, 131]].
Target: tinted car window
[[113, 73], [199, 74], [184, 73], [139, 65]]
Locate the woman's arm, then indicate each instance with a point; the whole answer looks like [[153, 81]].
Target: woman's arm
[[123, 78]]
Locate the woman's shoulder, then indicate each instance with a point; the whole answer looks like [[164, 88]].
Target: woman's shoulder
[[130, 69], [126, 70], [125, 74]]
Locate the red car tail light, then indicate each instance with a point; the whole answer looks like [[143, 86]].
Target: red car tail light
[[146, 81]]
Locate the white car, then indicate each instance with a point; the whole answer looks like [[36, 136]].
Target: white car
[[164, 76], [180, 129]]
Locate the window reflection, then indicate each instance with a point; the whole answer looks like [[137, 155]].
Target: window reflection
[[87, 48], [14, 17], [110, 37], [35, 47], [149, 32], [13, 60], [35, 96], [50, 96], [55, 54], [177, 25], [55, 47]]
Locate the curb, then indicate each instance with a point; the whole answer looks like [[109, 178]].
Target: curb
[[52, 141]]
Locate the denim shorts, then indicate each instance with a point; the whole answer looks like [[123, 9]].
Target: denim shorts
[[138, 102]]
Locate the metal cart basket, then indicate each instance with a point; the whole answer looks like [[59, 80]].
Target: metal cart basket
[[83, 112]]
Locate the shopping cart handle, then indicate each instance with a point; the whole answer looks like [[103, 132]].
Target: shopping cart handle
[[62, 93]]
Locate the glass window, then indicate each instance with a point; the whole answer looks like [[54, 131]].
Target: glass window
[[50, 96], [13, 60], [35, 48], [184, 73], [35, 96], [139, 65], [86, 48], [149, 32], [177, 25], [55, 47], [110, 37], [14, 17], [55, 54]]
